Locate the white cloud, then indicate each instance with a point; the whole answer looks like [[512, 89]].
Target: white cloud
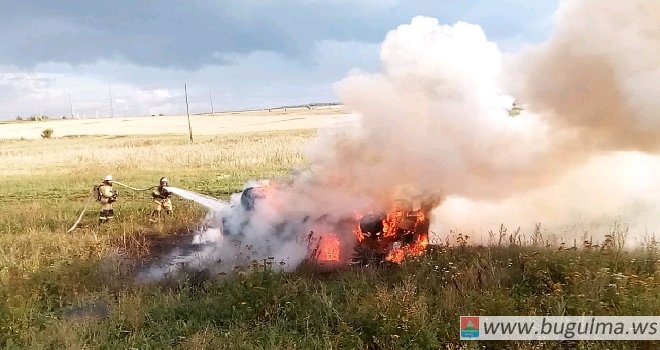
[[258, 79], [26, 94]]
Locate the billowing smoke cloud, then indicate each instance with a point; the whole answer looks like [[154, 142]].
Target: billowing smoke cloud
[[593, 85], [434, 125], [433, 120], [597, 75], [587, 199]]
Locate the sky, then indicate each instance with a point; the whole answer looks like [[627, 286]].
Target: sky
[[57, 57]]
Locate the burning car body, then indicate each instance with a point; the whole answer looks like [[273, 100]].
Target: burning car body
[[372, 237]]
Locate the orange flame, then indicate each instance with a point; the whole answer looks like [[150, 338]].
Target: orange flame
[[357, 230], [418, 248], [396, 256], [267, 189], [415, 249], [358, 233], [391, 222], [329, 248]]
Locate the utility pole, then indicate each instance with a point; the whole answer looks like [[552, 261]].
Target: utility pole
[[70, 105], [97, 114], [211, 98], [185, 89], [112, 111]]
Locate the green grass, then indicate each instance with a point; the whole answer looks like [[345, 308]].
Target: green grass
[[45, 271]]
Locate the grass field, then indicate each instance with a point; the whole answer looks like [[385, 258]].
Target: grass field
[[44, 271]]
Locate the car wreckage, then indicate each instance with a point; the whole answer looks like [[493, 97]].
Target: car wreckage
[[362, 239]]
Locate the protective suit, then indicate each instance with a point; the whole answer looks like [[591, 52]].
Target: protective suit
[[161, 199], [106, 196]]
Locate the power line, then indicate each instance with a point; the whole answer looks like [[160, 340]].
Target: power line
[[112, 111], [70, 105], [240, 98], [211, 97], [185, 89]]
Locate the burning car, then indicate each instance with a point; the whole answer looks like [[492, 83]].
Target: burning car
[[380, 237], [362, 238]]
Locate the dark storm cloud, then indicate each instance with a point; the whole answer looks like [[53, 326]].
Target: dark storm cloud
[[194, 33]]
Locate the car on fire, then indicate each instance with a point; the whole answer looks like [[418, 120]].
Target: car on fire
[[375, 238]]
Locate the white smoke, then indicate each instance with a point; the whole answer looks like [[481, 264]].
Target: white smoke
[[233, 237], [433, 119], [589, 86]]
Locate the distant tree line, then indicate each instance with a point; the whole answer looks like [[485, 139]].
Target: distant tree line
[[308, 105], [33, 118], [312, 105]]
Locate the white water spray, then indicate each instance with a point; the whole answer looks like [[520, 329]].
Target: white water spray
[[212, 203], [231, 238]]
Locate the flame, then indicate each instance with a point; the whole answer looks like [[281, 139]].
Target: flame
[[396, 256], [415, 249], [358, 233], [267, 189], [329, 248], [390, 227], [391, 222], [357, 230], [329, 245], [418, 248]]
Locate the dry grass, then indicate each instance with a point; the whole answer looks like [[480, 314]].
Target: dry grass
[[237, 152], [45, 185], [61, 173]]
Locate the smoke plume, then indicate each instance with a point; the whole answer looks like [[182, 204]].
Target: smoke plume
[[592, 86], [597, 75], [434, 119]]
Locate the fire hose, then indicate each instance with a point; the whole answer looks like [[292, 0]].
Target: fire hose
[[133, 188], [92, 197]]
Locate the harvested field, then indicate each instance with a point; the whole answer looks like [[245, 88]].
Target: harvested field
[[219, 123]]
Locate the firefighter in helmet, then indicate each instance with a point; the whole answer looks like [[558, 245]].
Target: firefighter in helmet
[[161, 199], [106, 195]]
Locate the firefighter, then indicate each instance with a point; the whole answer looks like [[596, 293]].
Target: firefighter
[[161, 199], [106, 195]]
